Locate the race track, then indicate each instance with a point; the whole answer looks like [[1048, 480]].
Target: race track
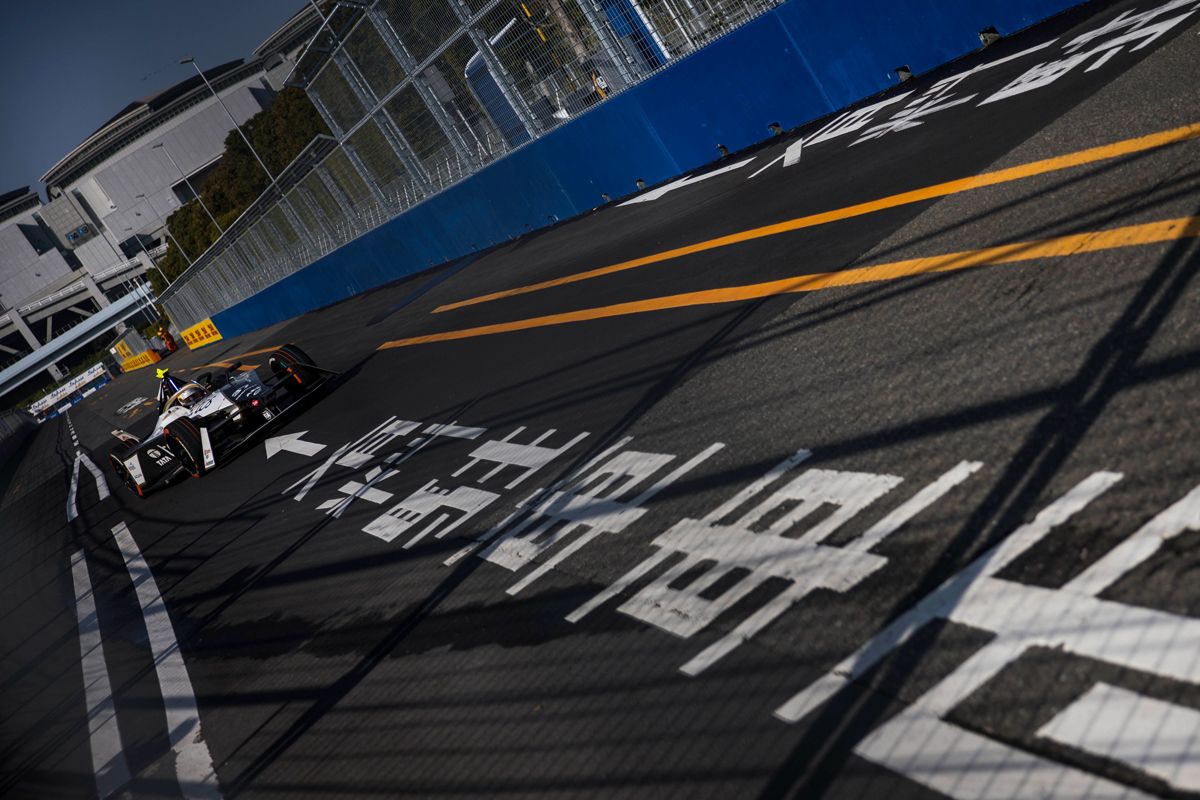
[[862, 464]]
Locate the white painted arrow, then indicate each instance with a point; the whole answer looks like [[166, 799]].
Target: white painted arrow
[[654, 194], [294, 444]]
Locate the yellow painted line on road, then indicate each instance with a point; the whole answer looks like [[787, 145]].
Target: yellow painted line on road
[[1128, 236], [1019, 172], [229, 362]]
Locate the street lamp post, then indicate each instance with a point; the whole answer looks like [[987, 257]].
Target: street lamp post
[[191, 188], [153, 263], [284, 203], [167, 230], [236, 127]]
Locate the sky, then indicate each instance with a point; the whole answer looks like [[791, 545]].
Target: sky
[[67, 66]]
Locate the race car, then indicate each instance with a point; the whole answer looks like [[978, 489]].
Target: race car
[[206, 422]]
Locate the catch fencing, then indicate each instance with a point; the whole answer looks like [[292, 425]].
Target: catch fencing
[[421, 94]]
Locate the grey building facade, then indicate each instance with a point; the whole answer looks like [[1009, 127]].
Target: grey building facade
[[108, 199], [29, 257]]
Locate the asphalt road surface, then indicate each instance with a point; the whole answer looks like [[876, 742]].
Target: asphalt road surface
[[863, 464]]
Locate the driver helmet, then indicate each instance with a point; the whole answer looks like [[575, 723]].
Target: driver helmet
[[189, 395]]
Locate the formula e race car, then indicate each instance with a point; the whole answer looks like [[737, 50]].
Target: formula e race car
[[206, 422]]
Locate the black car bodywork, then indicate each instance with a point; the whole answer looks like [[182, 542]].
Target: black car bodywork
[[224, 415]]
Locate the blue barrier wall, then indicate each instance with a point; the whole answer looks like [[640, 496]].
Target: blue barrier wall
[[804, 59]]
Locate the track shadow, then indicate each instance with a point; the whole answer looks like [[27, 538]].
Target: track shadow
[[826, 747]]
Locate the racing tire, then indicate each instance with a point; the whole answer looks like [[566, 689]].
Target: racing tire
[[213, 380], [116, 460], [293, 364], [185, 435]]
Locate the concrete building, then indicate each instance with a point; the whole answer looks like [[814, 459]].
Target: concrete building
[[29, 257], [120, 182], [125, 179], [109, 197]]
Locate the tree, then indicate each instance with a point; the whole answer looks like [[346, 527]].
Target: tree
[[278, 133]]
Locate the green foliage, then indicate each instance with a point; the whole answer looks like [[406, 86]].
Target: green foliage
[[278, 133]]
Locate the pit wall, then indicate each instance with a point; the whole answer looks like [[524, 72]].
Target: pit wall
[[800, 61]]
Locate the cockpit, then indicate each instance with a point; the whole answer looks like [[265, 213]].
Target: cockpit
[[188, 396], [174, 393]]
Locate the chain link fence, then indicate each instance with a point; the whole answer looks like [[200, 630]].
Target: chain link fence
[[420, 94]]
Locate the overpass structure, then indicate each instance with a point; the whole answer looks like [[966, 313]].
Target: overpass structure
[[80, 294], [46, 356]]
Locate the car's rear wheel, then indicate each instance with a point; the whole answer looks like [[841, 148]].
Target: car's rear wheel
[[116, 459], [185, 435], [293, 365]]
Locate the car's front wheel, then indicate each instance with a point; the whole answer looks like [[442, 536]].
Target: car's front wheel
[[116, 459], [189, 447], [293, 365]]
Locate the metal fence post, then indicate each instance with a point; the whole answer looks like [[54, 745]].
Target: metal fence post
[[332, 186], [504, 81], [403, 149], [367, 177], [615, 52], [409, 64]]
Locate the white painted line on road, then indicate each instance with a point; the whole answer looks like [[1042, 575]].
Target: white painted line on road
[[455, 431], [837, 572], [537, 498], [1157, 738], [193, 762], [605, 515], [914, 505], [923, 744], [71, 429], [688, 180], [293, 443], [97, 475], [72, 512], [964, 765], [724, 510], [104, 737], [1183, 515], [798, 144], [944, 598]]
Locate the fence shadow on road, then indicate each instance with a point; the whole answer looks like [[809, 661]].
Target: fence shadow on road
[[831, 734], [824, 746]]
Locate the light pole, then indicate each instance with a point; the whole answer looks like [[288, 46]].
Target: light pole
[[284, 203], [236, 127], [153, 263], [167, 230], [191, 188]]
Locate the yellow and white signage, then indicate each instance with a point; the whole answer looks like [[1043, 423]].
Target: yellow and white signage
[[142, 359], [201, 334]]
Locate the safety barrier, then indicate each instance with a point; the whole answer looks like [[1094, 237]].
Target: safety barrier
[[201, 334], [794, 63], [132, 351]]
